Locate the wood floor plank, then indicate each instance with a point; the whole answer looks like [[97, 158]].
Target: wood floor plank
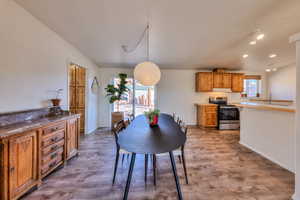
[[219, 168]]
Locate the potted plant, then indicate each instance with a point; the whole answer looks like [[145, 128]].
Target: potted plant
[[56, 101], [152, 117], [116, 93]]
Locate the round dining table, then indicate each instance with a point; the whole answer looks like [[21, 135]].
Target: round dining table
[[140, 138]]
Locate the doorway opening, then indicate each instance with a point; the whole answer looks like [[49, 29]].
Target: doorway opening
[[138, 100], [77, 95]]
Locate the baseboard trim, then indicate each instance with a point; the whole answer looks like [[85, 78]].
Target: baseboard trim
[[265, 156]]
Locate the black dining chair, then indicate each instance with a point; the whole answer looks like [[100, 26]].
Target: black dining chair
[[119, 126], [179, 152]]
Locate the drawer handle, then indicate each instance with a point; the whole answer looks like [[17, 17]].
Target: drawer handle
[[52, 164], [54, 139], [12, 169], [54, 129], [53, 155], [54, 147]]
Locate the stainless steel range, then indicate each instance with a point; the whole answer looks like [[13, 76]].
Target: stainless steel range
[[228, 115]]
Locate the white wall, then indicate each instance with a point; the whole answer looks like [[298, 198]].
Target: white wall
[[174, 93], [296, 39], [282, 83], [271, 134], [33, 61]]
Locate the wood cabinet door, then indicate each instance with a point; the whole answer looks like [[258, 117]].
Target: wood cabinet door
[[80, 97], [237, 82], [72, 97], [227, 80], [72, 75], [218, 80], [204, 82], [80, 76], [211, 119], [22, 163], [72, 137]]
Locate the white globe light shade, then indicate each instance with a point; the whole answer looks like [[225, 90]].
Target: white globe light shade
[[147, 73]]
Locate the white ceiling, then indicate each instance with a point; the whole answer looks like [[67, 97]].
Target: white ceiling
[[184, 34]]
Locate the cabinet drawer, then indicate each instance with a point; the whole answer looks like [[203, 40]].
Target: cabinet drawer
[[53, 147], [212, 109], [53, 138], [53, 128], [46, 160], [51, 165]]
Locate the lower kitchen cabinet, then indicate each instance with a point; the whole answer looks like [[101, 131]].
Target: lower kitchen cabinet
[[207, 115], [27, 157]]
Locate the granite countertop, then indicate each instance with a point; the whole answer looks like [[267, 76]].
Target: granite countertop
[[262, 106], [6, 131]]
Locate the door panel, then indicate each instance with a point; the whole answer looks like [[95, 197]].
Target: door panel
[[72, 138], [218, 80], [72, 75], [80, 76], [72, 97], [204, 82], [77, 92], [237, 83], [226, 80], [80, 97], [22, 162]]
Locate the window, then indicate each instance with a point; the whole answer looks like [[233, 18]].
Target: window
[[252, 87], [138, 100]]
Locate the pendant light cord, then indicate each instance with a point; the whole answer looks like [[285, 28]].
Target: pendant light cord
[[146, 31], [148, 41]]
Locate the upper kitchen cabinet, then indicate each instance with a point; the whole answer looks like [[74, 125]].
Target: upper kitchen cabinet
[[237, 82], [204, 82], [207, 81], [221, 80]]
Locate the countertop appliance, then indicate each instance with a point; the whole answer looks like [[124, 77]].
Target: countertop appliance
[[228, 115]]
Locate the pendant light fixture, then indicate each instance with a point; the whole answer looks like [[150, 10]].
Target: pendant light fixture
[[147, 72]]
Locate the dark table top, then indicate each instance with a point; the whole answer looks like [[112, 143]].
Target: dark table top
[[140, 138]]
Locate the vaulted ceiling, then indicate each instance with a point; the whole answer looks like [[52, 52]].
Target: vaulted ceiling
[[183, 34]]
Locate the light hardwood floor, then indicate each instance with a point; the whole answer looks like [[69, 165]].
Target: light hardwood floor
[[219, 168]]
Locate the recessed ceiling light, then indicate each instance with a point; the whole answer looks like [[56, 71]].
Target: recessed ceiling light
[[245, 56], [272, 55], [268, 70], [274, 69], [252, 42], [260, 36]]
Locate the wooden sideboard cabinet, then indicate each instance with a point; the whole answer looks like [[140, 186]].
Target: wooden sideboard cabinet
[[207, 115], [204, 82], [27, 157], [237, 82]]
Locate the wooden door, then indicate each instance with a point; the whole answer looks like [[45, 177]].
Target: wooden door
[[22, 163], [210, 116], [237, 82], [218, 80], [226, 80], [77, 90], [204, 82], [72, 137]]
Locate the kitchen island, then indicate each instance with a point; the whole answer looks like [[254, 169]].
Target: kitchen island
[[270, 131]]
